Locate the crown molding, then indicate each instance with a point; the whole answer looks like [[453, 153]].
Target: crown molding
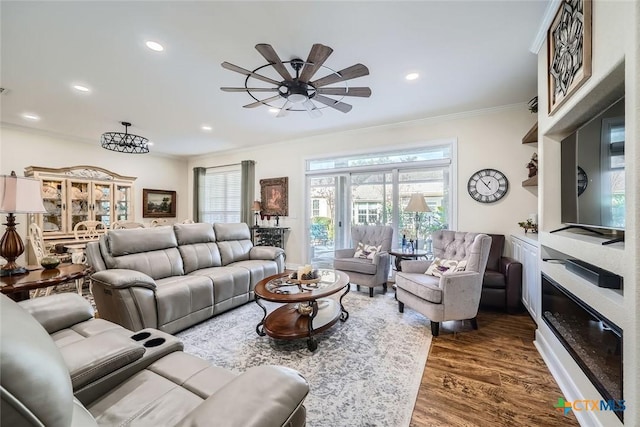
[[541, 35]]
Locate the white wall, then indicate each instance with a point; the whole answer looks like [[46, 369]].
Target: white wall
[[20, 148], [485, 139]]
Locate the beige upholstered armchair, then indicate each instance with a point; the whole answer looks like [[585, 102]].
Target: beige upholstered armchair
[[456, 294], [368, 262]]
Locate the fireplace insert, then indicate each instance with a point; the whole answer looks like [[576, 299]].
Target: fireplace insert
[[594, 342]]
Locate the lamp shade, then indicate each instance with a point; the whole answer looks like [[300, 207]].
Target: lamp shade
[[20, 195], [256, 206], [417, 204]]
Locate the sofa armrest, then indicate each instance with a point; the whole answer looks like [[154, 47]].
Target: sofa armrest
[[344, 253], [414, 266], [265, 252], [59, 311], [381, 257], [263, 396], [121, 278], [98, 355], [512, 271]]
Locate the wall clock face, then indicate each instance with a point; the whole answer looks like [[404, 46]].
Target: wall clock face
[[488, 185], [583, 181]]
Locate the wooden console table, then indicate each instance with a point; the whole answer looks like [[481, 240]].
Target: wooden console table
[[18, 287]]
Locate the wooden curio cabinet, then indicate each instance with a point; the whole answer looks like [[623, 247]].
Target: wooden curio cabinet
[[81, 193]]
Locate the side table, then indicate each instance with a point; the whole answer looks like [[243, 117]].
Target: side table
[[18, 287], [402, 255]]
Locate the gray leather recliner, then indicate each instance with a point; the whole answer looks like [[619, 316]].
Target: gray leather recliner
[[60, 367]]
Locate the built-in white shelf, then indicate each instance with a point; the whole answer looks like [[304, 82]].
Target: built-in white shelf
[[607, 302]]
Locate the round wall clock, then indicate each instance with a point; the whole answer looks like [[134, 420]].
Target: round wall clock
[[488, 185], [583, 181]]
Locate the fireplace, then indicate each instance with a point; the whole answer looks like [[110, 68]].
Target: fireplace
[[594, 342]]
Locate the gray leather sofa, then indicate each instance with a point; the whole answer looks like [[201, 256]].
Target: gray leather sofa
[[173, 277], [63, 368]]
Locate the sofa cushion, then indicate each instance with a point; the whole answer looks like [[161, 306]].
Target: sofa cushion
[[228, 281], [180, 296], [258, 270], [494, 280], [234, 250], [357, 265], [422, 285], [133, 241], [231, 231], [200, 255], [200, 232], [156, 264]]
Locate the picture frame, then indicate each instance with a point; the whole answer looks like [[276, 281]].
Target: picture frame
[[569, 63], [274, 194], [158, 203]]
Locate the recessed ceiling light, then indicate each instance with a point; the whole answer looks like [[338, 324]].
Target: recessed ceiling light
[[81, 88], [30, 116], [154, 46], [206, 128], [274, 110], [412, 76]]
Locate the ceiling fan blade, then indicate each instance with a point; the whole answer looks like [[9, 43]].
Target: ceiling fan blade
[[313, 111], [284, 110], [241, 70], [272, 57], [259, 103], [348, 73], [340, 106], [249, 89], [364, 92], [318, 54]]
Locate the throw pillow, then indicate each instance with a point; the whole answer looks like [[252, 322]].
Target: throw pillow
[[366, 251], [445, 266]]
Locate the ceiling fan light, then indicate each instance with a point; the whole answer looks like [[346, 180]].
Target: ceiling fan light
[[124, 142], [297, 98]]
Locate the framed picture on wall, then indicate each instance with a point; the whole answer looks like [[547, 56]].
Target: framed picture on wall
[[158, 203], [274, 193], [568, 51]]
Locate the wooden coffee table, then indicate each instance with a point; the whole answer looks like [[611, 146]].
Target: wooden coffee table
[[306, 310], [18, 287]]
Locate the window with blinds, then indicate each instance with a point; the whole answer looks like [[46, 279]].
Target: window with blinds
[[220, 195]]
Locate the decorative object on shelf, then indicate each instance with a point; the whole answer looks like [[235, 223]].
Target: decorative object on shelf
[[299, 93], [274, 193], [49, 263], [418, 205], [533, 166], [533, 105], [529, 225], [488, 185], [158, 203], [17, 195], [125, 142], [305, 275], [49, 192], [568, 51], [256, 210]]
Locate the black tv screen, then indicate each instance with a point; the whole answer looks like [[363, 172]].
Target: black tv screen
[[592, 175]]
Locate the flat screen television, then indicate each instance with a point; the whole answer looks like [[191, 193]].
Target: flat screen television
[[592, 174]]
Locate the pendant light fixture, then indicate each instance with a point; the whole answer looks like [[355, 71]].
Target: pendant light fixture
[[125, 142]]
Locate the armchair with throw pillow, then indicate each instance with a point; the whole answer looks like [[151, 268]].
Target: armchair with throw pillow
[[449, 287], [368, 262]]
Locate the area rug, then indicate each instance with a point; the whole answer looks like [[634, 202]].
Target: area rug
[[365, 372]]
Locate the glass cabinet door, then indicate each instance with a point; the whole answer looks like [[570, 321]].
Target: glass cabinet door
[[79, 203], [123, 198], [53, 196], [102, 203]]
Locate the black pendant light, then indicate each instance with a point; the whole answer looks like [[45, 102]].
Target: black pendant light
[[125, 142]]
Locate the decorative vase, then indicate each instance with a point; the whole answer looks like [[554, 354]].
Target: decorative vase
[[49, 263]]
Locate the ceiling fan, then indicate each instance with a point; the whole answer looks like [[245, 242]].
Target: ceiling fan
[[298, 92]]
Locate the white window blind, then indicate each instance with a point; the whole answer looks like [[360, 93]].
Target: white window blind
[[221, 195]]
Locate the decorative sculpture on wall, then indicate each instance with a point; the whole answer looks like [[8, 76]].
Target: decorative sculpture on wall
[[568, 51], [533, 165]]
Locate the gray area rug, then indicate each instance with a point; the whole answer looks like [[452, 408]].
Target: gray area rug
[[365, 372]]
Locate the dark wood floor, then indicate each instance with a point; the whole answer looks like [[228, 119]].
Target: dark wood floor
[[490, 377]]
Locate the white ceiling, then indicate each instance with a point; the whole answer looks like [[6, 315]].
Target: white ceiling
[[470, 55]]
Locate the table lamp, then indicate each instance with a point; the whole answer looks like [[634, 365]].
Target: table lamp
[[17, 195], [256, 209], [418, 205]]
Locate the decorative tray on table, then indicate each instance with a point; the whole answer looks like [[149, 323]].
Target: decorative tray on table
[[305, 279]]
